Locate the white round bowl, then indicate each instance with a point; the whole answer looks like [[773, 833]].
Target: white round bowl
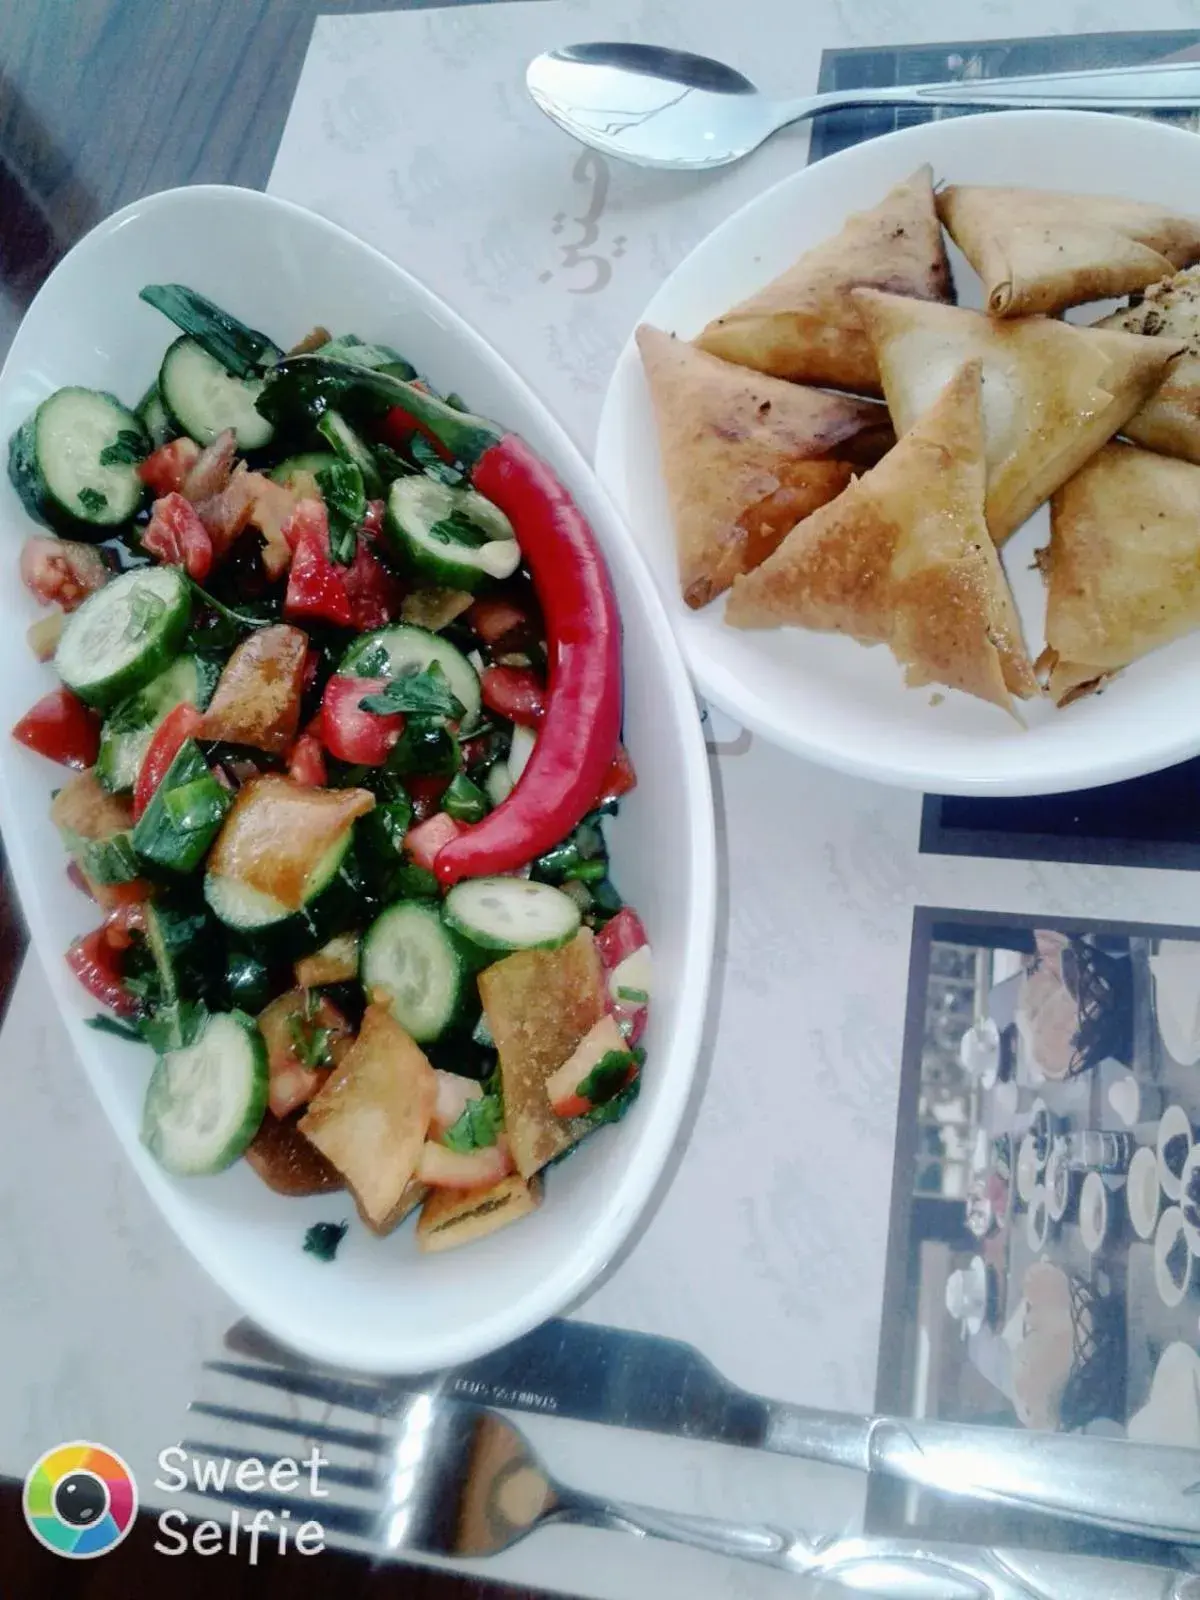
[[822, 695], [381, 1306], [1142, 1193]]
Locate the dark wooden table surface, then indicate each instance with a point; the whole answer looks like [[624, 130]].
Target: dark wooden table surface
[[102, 101]]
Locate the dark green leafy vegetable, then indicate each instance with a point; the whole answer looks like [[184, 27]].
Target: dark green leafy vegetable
[[247, 979], [431, 463], [425, 749], [341, 486], [114, 1025], [183, 817], [239, 349], [360, 353], [613, 1110], [127, 447], [92, 501], [463, 800], [323, 1238], [608, 1077], [479, 1126], [311, 1042], [417, 694], [582, 855]]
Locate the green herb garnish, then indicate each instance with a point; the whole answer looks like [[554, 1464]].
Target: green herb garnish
[[310, 1042], [613, 1110], [608, 1077], [417, 694], [478, 1127], [427, 457], [127, 447], [323, 1238], [638, 997], [92, 501], [114, 1025], [341, 486], [458, 529]]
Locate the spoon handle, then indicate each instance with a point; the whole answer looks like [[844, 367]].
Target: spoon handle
[[1165, 84]]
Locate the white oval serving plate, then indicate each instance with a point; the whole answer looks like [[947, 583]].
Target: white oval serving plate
[[381, 1306], [824, 696]]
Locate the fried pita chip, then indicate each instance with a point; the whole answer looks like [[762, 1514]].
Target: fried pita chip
[[803, 326], [1038, 251], [1170, 419], [903, 557], [1052, 393], [1122, 567], [746, 456]]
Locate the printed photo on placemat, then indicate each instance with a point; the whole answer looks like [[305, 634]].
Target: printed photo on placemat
[[1046, 1200]]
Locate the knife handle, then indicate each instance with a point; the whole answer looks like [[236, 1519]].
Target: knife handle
[[1151, 1491]]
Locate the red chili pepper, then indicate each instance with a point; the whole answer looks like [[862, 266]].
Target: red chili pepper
[[60, 727], [347, 731], [95, 959], [316, 588], [515, 693], [169, 736], [306, 764]]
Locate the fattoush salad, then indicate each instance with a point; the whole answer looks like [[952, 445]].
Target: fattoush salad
[[340, 684]]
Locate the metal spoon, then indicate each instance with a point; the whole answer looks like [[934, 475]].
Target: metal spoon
[[666, 108]]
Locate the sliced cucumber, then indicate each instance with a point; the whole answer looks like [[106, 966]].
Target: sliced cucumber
[[153, 416], [104, 861], [178, 939], [333, 901], [206, 1101], [205, 399], [309, 462], [184, 816], [124, 634], [239, 349], [74, 463], [498, 784], [410, 955], [519, 752], [129, 727], [349, 447], [397, 652], [452, 537], [511, 914]]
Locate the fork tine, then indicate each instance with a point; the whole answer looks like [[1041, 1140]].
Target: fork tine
[[363, 1478], [347, 1438], [365, 1397]]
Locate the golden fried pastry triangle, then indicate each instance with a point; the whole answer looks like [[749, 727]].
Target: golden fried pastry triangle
[[803, 326], [1122, 567], [746, 456], [1052, 393], [1170, 419], [903, 557], [1038, 251]]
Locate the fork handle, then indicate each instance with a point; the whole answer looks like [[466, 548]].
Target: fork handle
[[880, 1566], [1162, 84]]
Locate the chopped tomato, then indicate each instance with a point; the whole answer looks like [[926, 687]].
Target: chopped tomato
[[177, 536], [61, 571], [212, 468], [499, 620], [306, 764], [350, 733], [289, 1027], [515, 693], [61, 728], [248, 499], [451, 1169], [620, 780], [620, 937], [425, 792], [429, 837], [95, 959], [166, 470], [316, 590], [375, 593], [169, 736], [453, 1093], [564, 1087]]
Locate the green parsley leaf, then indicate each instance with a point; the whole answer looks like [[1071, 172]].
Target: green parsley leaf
[[607, 1078], [323, 1238], [428, 458], [639, 997], [613, 1110], [174, 1026], [310, 1042], [341, 486], [92, 501], [458, 529], [478, 1127], [417, 694], [127, 447], [114, 1025]]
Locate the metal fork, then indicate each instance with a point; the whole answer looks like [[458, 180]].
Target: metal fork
[[462, 1481]]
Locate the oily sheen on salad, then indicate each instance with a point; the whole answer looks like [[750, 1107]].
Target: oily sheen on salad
[[340, 695]]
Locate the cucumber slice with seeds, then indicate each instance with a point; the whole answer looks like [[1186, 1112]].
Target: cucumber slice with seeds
[[500, 914], [409, 954], [205, 399], [74, 463], [397, 652], [124, 634], [452, 537], [130, 726], [205, 1102]]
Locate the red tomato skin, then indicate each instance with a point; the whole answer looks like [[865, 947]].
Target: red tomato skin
[[60, 727], [515, 693], [178, 537], [165, 471], [350, 733], [620, 937], [169, 736], [61, 572]]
